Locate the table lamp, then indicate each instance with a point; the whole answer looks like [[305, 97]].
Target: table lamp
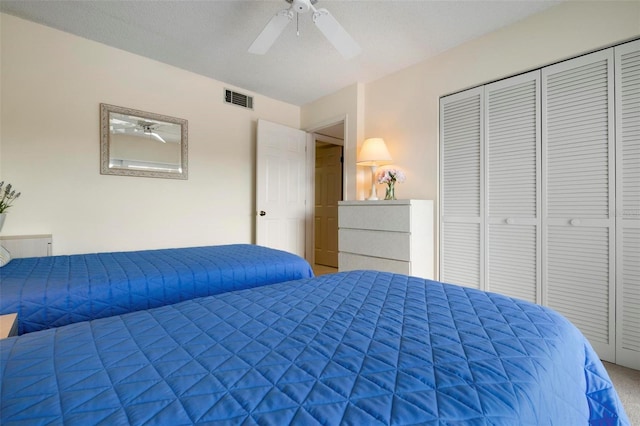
[[373, 153]]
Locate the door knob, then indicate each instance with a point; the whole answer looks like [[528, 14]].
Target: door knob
[[262, 213]]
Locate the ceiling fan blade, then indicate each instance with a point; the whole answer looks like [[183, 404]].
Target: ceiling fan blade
[[157, 136], [336, 34], [271, 32], [122, 123]]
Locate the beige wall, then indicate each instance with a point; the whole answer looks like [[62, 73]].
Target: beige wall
[[51, 86], [52, 83], [403, 108]]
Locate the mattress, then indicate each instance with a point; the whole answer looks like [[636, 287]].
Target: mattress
[[53, 291], [360, 348]]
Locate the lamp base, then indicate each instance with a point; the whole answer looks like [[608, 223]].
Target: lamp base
[[374, 194]]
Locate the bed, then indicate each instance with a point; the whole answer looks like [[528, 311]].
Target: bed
[[53, 291], [358, 347]]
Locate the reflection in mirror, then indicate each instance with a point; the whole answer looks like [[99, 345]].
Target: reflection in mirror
[[138, 143]]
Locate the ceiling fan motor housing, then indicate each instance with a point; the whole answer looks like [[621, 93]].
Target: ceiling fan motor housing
[[302, 6]]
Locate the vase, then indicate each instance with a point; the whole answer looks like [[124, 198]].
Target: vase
[[391, 191], [2, 217]]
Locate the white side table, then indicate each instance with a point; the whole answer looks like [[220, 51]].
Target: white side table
[[27, 245]]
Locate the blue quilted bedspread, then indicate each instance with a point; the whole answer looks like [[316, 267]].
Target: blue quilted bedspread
[[49, 292], [357, 348]]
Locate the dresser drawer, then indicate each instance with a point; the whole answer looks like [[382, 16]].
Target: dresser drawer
[[350, 262], [390, 245], [378, 217]]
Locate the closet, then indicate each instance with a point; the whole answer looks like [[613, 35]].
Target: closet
[[540, 193]]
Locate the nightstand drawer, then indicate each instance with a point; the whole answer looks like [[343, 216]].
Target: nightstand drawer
[[389, 245], [381, 218]]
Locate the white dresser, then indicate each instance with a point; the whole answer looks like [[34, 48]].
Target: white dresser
[[386, 235]]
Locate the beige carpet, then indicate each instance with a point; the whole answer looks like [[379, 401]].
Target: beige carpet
[[627, 384], [322, 270]]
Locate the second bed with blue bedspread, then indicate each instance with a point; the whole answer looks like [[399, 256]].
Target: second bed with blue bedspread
[[358, 348], [53, 291]]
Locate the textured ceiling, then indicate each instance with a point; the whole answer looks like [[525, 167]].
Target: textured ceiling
[[212, 37]]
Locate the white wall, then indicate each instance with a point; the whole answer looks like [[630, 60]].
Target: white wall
[[51, 86]]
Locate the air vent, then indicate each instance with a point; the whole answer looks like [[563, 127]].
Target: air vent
[[239, 99]]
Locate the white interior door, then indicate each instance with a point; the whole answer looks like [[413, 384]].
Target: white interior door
[[281, 184]]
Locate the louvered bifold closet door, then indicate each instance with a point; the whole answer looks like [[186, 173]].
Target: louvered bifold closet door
[[627, 68], [578, 195], [461, 135], [512, 164]]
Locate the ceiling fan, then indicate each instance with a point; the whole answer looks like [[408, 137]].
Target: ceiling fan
[[325, 22], [149, 128], [140, 128]]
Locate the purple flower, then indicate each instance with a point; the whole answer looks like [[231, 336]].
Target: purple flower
[[7, 196]]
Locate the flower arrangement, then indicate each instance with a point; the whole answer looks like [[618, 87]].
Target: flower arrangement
[[7, 197], [390, 176]]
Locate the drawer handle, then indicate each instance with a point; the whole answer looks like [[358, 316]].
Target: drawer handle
[[575, 222], [511, 221]]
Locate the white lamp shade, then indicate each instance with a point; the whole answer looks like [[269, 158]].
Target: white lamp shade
[[374, 153]]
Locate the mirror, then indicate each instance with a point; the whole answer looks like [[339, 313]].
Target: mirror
[[139, 143]]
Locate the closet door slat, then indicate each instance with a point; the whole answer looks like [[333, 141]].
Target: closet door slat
[[460, 254]]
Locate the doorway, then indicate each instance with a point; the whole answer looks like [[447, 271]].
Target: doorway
[[328, 188]]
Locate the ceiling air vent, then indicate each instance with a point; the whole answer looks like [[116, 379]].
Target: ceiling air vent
[[239, 99]]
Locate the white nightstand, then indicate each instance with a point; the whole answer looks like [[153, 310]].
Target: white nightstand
[[27, 245], [8, 325]]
